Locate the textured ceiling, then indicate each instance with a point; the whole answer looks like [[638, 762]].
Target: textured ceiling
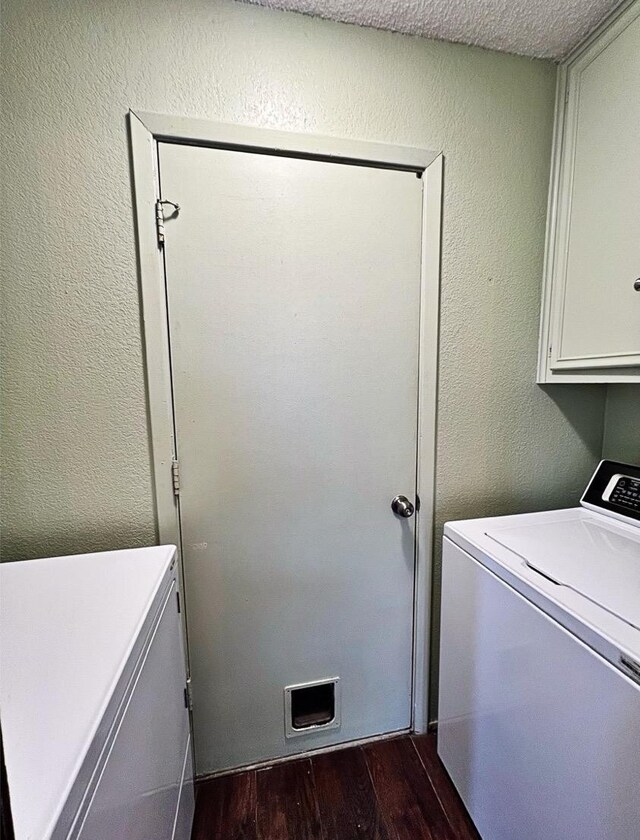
[[538, 28]]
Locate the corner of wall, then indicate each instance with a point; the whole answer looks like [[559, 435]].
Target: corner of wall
[[621, 438]]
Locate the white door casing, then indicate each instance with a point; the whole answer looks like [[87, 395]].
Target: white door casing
[[304, 426]]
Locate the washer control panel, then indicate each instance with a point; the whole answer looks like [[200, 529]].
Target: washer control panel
[[623, 490], [615, 489]]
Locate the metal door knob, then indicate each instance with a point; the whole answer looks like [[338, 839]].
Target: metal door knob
[[636, 285], [402, 507]]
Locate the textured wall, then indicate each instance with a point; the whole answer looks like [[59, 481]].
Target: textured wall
[[622, 424], [75, 449]]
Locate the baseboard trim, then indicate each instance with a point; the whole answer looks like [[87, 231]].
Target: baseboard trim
[[271, 762]]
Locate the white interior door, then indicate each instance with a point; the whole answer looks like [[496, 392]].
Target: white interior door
[[293, 289]]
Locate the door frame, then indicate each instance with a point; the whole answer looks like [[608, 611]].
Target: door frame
[[145, 131]]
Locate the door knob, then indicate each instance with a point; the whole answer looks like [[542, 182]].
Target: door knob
[[636, 285], [402, 507]]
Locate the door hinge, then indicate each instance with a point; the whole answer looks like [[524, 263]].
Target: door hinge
[[160, 218], [175, 477], [178, 600], [550, 350], [188, 696]]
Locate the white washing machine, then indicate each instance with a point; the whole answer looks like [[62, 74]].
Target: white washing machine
[[539, 706]]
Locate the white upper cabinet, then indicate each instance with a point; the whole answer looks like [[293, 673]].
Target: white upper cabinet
[[590, 328]]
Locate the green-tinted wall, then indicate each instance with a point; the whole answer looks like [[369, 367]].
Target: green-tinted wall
[[75, 434]]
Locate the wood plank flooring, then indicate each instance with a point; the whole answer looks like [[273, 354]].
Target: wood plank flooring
[[388, 790]]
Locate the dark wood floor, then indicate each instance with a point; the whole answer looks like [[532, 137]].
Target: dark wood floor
[[389, 790]]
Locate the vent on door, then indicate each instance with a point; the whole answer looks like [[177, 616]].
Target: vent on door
[[312, 706]]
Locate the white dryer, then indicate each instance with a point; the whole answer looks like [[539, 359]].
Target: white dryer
[[93, 697], [539, 706]]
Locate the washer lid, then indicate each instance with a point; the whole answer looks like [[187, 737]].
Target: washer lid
[[597, 559]]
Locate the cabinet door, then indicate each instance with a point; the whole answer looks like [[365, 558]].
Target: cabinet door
[[138, 792], [595, 322]]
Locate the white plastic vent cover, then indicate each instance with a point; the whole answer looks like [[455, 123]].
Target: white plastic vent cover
[[537, 28]]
